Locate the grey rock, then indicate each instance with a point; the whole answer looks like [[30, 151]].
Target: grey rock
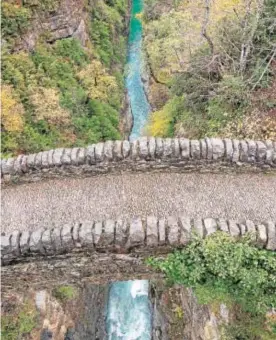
[[66, 236], [134, 150], [136, 233], [223, 225], [108, 150], [14, 242], [162, 231], [81, 158], [251, 229], [195, 149], [242, 228], [44, 159], [35, 241], [90, 154], [24, 242], [121, 233], [57, 156], [185, 230], [74, 156], [198, 227], [228, 149], [118, 154], [46, 240], [126, 148], [50, 158], [184, 148], [176, 148], [152, 231], [236, 151], [108, 236], [56, 239], [173, 230], [66, 157], [168, 149], [269, 151], [234, 228], [159, 147], [261, 151], [5, 245], [143, 147], [210, 226], [203, 147], [271, 233], [17, 164], [218, 148], [252, 148], [99, 152], [243, 151], [261, 235], [274, 153], [38, 160], [152, 146], [97, 233], [209, 148], [85, 234], [24, 166], [75, 234], [30, 160]]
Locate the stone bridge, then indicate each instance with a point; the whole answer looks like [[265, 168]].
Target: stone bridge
[[144, 197]]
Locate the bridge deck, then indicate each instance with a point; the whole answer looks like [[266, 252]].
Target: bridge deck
[[56, 202]]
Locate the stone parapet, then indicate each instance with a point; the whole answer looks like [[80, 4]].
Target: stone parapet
[[121, 237], [144, 154]]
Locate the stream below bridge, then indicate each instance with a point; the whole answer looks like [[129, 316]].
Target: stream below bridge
[[128, 310]]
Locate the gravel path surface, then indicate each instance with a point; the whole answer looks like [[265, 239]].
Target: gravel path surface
[[56, 202]]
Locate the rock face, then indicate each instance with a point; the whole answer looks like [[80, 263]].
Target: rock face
[[67, 20]]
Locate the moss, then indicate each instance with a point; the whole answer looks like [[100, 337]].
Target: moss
[[65, 293]]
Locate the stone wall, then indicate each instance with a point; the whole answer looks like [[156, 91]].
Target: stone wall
[[144, 154], [109, 249]]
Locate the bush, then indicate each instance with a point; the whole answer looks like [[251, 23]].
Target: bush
[[65, 293]]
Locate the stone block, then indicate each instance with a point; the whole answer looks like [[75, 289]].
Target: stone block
[[223, 225], [24, 242], [143, 148], [195, 149], [17, 164], [218, 148], [31, 160], [209, 148], [173, 231], [228, 149], [75, 234], [184, 148], [243, 151], [108, 236], [14, 242], [252, 148], [90, 154], [152, 231], [99, 156], [234, 228], [56, 239], [167, 148], [97, 232], [261, 151], [134, 152], [152, 147], [66, 236], [185, 230], [274, 153], [121, 233], [81, 157], [198, 227], [126, 148], [203, 148], [38, 160], [108, 150], [66, 157], [236, 151], [271, 235], [57, 156], [50, 158], [251, 229], [74, 156], [261, 235], [46, 240], [162, 226], [210, 226], [159, 147], [118, 155], [85, 234], [5, 245], [44, 159], [176, 148], [24, 166], [243, 228], [136, 233], [269, 151], [35, 241]]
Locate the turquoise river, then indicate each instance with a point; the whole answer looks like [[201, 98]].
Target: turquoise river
[[128, 311]]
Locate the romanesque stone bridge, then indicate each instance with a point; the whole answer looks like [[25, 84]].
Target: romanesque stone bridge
[[57, 205]]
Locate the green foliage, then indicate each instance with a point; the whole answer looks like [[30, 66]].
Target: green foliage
[[65, 293], [20, 323], [225, 268], [15, 20]]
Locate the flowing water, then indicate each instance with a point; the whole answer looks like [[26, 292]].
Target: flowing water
[[138, 100], [129, 312]]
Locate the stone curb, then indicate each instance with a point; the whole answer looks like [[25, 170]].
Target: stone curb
[[124, 236], [143, 153]]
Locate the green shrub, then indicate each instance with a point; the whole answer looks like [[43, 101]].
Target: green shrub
[[65, 293]]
